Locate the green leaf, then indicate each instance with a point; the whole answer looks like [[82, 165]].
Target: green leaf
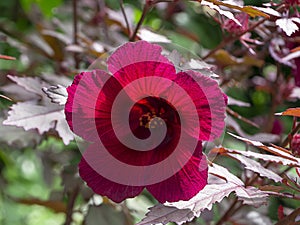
[[207, 31], [45, 6]]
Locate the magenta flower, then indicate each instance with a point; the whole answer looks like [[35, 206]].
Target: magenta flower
[[146, 124]]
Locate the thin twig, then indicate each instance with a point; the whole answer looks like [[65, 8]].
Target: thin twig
[[274, 93], [128, 216], [125, 17], [75, 31], [238, 116], [233, 38], [289, 183], [143, 16], [290, 135], [286, 170], [227, 213], [71, 202], [286, 195]]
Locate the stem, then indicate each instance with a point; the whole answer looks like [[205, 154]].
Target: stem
[[274, 93], [286, 170], [290, 182], [286, 195], [72, 197], [227, 213], [75, 31], [236, 115], [128, 217], [143, 16], [125, 17], [290, 135]]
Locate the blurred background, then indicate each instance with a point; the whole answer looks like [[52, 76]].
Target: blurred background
[[45, 43]]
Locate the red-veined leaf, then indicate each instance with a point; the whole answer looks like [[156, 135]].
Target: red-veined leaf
[[256, 167], [265, 157], [274, 150]]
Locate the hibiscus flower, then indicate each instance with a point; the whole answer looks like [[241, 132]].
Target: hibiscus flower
[[145, 124]]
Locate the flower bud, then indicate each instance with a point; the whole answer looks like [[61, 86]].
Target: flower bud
[[295, 144]]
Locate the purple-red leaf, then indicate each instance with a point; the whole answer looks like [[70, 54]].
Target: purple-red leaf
[[41, 115], [42, 118], [265, 157], [18, 137], [224, 184], [288, 25], [226, 13], [274, 150], [256, 167], [58, 94]]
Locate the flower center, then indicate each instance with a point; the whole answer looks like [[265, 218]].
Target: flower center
[[151, 120], [152, 112]]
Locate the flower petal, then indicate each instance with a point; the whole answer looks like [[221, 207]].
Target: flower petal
[[140, 158], [102, 186], [210, 103], [184, 184], [135, 52], [141, 59], [90, 98], [134, 168]]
